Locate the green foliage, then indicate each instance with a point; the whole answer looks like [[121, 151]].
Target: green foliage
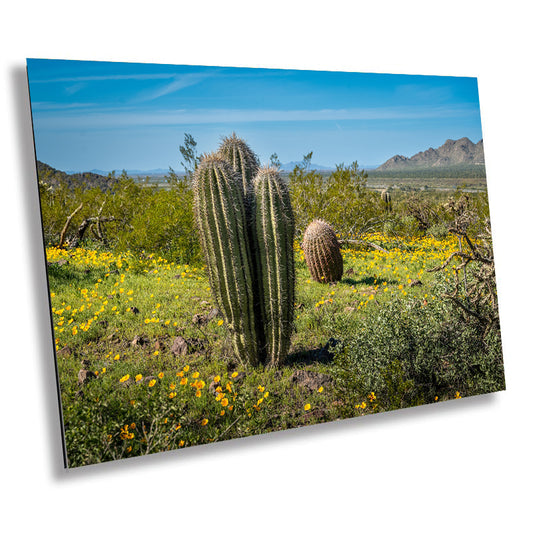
[[410, 353], [274, 161], [189, 154], [341, 198], [140, 218]]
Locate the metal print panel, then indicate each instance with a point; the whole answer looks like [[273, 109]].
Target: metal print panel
[[235, 251]]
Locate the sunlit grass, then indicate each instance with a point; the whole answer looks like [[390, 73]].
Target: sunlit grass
[[117, 316]]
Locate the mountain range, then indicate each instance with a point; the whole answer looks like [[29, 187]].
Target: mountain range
[[86, 180], [452, 153], [288, 167]]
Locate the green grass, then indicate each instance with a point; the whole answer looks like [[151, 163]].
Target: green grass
[[118, 317]]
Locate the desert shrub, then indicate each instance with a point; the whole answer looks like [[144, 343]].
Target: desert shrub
[[408, 227], [410, 352], [341, 198], [438, 231], [134, 217]]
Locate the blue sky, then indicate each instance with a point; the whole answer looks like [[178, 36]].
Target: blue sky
[[106, 115]]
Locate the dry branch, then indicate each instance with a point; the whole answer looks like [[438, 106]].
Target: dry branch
[[67, 224]]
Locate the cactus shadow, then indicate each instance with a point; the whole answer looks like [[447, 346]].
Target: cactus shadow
[[368, 280], [322, 355]]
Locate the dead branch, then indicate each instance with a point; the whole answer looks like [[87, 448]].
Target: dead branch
[[67, 224]]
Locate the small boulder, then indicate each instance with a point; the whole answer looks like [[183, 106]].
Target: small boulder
[[179, 346], [84, 376], [311, 380]]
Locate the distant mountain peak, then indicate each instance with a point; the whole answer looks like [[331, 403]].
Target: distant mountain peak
[[459, 152], [53, 177]]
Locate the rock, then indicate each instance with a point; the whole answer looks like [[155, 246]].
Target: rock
[[158, 345], [415, 282], [349, 309], [65, 351], [179, 346], [84, 376], [134, 310], [212, 314], [199, 320], [312, 380], [138, 340], [196, 345], [212, 388]]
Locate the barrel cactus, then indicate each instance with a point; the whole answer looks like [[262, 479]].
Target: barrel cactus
[[322, 252], [221, 220], [273, 236]]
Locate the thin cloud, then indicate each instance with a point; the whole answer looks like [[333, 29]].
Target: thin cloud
[[124, 118], [178, 83], [56, 106], [109, 77]]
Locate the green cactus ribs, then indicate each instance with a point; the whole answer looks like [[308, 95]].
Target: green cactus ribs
[[221, 220], [273, 244], [241, 157], [322, 252]]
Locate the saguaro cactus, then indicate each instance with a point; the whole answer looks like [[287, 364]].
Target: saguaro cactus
[[385, 197], [247, 233], [322, 252], [241, 157], [273, 230], [221, 219]]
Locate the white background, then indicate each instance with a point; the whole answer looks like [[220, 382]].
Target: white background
[[461, 466]]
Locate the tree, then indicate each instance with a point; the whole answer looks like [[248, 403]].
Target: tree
[[274, 160], [307, 160], [189, 154]]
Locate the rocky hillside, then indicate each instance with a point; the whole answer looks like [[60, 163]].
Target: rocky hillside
[[451, 153], [86, 180]]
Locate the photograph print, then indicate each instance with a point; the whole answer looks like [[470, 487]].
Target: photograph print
[[236, 251]]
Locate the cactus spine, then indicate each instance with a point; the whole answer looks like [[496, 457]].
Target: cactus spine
[[322, 252], [274, 241], [247, 233], [241, 157], [221, 220]]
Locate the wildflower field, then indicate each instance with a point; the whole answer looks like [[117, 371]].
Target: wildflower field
[[144, 360]]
